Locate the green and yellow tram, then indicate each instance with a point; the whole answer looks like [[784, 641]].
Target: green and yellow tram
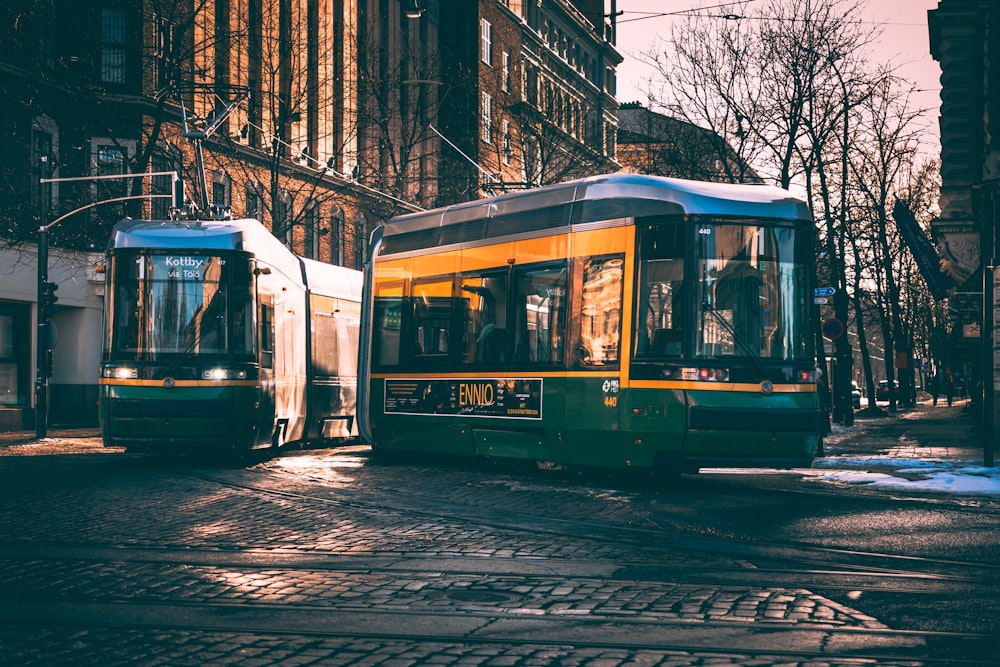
[[613, 321], [218, 338]]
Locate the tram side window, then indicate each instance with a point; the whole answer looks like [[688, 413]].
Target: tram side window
[[597, 309], [266, 335], [431, 328], [540, 312], [485, 330], [661, 307], [243, 312], [326, 343], [387, 324]]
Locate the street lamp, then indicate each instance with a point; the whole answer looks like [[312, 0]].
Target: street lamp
[[413, 9], [46, 296]]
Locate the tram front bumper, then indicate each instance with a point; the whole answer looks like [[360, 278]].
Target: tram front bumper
[[177, 423], [722, 437]]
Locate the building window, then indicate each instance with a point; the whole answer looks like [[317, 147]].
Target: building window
[[165, 158], [486, 111], [15, 344], [112, 46], [255, 200], [281, 224], [337, 234], [487, 42], [360, 240], [163, 38], [311, 236], [110, 160], [220, 189], [505, 131], [505, 74]]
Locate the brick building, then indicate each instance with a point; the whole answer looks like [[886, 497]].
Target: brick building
[[326, 119]]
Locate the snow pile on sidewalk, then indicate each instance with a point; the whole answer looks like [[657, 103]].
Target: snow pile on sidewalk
[[908, 473]]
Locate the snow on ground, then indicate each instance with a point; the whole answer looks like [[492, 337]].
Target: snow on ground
[[908, 473]]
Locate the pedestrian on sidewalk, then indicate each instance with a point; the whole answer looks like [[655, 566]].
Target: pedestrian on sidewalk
[[949, 386], [932, 387]]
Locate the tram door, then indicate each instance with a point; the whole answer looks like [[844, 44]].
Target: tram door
[[265, 346], [593, 396]]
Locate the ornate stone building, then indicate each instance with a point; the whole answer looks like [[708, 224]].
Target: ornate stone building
[[965, 40]]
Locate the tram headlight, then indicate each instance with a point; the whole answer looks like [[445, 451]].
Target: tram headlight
[[120, 372], [223, 374]]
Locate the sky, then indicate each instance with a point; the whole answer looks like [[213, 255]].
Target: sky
[[904, 43]]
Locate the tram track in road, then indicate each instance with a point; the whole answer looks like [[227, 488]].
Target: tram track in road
[[784, 558], [436, 633], [160, 590], [256, 558]]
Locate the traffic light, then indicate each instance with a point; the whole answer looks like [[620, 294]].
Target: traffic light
[[47, 300]]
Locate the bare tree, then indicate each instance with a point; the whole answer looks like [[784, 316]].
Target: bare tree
[[883, 163], [789, 85]]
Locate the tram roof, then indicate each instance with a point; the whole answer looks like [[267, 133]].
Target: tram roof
[[613, 196], [187, 234], [242, 234]]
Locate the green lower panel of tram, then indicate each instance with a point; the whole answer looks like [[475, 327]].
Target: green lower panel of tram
[[593, 421], [720, 428], [143, 418]]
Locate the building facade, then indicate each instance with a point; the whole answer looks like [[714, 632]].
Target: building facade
[[541, 106], [965, 40], [652, 143], [321, 119]]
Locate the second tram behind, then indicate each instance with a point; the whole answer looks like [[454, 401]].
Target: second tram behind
[[218, 338], [614, 321]]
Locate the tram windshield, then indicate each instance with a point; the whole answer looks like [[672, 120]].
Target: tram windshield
[[178, 304], [739, 290]]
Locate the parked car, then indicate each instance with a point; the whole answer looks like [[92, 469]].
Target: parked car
[[855, 396], [882, 391]]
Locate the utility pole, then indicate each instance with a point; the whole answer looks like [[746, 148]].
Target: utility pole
[[43, 345], [46, 297]]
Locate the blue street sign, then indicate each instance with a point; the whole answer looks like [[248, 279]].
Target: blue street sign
[[824, 291]]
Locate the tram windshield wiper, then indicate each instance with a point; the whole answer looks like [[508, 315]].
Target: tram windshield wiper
[[740, 343]]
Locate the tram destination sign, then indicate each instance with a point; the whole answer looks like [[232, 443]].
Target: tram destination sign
[[513, 398]]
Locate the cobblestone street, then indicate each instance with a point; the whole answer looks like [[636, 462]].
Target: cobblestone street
[[325, 557]]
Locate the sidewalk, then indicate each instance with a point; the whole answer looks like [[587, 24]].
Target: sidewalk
[[928, 447], [57, 441], [925, 431]]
